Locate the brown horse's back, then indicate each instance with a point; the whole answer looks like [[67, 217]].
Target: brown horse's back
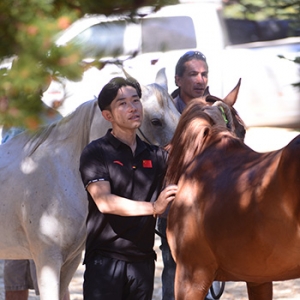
[[237, 215]]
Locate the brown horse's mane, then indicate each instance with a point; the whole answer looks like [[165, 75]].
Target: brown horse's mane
[[195, 132], [187, 140]]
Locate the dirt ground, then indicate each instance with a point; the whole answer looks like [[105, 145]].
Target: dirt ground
[[284, 290], [261, 140]]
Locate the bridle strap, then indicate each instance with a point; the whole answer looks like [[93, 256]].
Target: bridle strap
[[143, 135]]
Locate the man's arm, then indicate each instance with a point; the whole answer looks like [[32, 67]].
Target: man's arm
[[109, 203]]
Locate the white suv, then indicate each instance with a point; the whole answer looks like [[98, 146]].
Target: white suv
[[155, 40], [144, 45]]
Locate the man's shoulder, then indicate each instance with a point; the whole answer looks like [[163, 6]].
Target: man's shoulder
[[158, 151], [179, 104], [151, 147], [95, 145]]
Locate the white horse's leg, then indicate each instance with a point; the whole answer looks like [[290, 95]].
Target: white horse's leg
[[67, 272], [48, 281], [48, 266]]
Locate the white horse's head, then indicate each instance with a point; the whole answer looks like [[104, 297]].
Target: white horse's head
[[160, 115]]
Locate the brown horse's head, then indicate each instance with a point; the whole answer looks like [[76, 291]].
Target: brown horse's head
[[199, 118], [230, 99]]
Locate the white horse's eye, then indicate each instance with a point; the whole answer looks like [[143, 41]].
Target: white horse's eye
[[156, 122]]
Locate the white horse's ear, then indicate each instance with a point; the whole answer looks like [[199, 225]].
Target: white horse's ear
[[127, 75], [161, 78]]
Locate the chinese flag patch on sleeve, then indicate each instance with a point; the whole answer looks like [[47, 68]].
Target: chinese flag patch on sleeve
[[147, 163]]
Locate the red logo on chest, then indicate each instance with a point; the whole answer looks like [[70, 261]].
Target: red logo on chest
[[147, 164], [118, 162]]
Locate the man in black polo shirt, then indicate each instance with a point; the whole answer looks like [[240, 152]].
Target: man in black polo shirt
[[123, 177]]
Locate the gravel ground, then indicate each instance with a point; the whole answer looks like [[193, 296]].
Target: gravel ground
[[261, 140]]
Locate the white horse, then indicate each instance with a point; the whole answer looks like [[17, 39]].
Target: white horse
[[43, 204]]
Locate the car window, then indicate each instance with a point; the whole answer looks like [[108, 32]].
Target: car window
[[104, 39], [158, 34], [242, 31], [167, 33]]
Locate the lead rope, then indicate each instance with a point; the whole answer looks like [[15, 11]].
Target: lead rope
[[144, 137]]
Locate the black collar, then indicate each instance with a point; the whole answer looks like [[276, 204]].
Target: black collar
[[140, 145]]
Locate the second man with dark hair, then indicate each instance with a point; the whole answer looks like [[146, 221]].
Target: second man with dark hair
[[191, 78]]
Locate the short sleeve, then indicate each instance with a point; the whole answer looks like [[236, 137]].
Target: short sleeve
[[92, 164]]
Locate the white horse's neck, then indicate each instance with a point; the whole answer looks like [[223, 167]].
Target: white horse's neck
[[72, 131]]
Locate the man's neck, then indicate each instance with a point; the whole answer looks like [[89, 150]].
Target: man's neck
[[185, 99]]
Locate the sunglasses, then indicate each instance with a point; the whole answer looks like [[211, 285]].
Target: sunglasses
[[196, 54]]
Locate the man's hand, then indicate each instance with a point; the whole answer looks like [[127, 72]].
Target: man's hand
[[166, 196]]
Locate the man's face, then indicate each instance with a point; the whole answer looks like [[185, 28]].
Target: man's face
[[126, 109], [194, 80]]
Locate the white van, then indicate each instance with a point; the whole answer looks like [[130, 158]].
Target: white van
[[155, 40], [144, 45]]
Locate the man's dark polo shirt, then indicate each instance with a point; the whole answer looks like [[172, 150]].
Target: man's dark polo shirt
[[138, 177]]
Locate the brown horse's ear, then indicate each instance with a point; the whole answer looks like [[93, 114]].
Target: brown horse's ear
[[211, 99], [232, 96], [206, 92]]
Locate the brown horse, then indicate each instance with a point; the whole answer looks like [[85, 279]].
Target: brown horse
[[236, 214]]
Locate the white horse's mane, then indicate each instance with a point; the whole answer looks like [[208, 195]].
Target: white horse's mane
[[77, 123]]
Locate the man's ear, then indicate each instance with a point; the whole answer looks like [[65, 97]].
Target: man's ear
[[177, 80], [107, 115]]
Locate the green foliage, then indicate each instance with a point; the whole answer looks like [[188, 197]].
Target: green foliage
[[297, 61], [262, 9], [108, 7], [27, 30], [27, 33]]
